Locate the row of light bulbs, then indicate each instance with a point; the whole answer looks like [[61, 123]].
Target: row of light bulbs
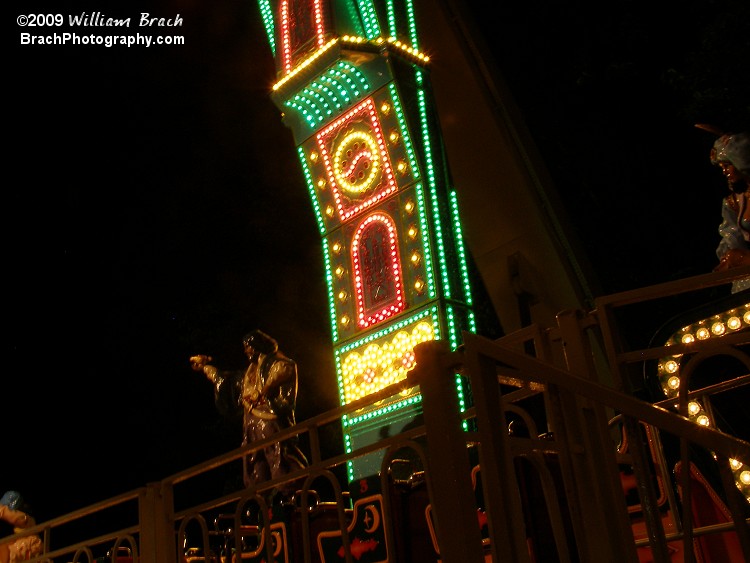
[[669, 377]]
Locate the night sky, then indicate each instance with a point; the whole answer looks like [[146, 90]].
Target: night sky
[[155, 209]]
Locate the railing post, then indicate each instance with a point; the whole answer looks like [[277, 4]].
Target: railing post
[[589, 457], [158, 537], [508, 534], [449, 472]]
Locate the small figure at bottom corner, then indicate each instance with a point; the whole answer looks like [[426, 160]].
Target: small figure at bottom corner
[[17, 513]]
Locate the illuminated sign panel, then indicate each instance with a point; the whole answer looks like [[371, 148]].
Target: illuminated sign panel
[[302, 30], [360, 159], [382, 359], [379, 265], [357, 165], [377, 270]]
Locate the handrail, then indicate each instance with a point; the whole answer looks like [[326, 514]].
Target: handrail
[[587, 514]]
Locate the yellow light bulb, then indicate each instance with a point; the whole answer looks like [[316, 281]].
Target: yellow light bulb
[[702, 333]]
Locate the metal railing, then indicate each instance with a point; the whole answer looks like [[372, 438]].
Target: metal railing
[[558, 458]]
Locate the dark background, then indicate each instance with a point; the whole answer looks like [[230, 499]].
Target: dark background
[[155, 209]]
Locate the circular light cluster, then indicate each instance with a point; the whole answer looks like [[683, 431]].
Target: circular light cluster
[[356, 163], [354, 153]]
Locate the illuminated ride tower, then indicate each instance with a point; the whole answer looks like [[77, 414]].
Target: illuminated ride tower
[[353, 89]]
